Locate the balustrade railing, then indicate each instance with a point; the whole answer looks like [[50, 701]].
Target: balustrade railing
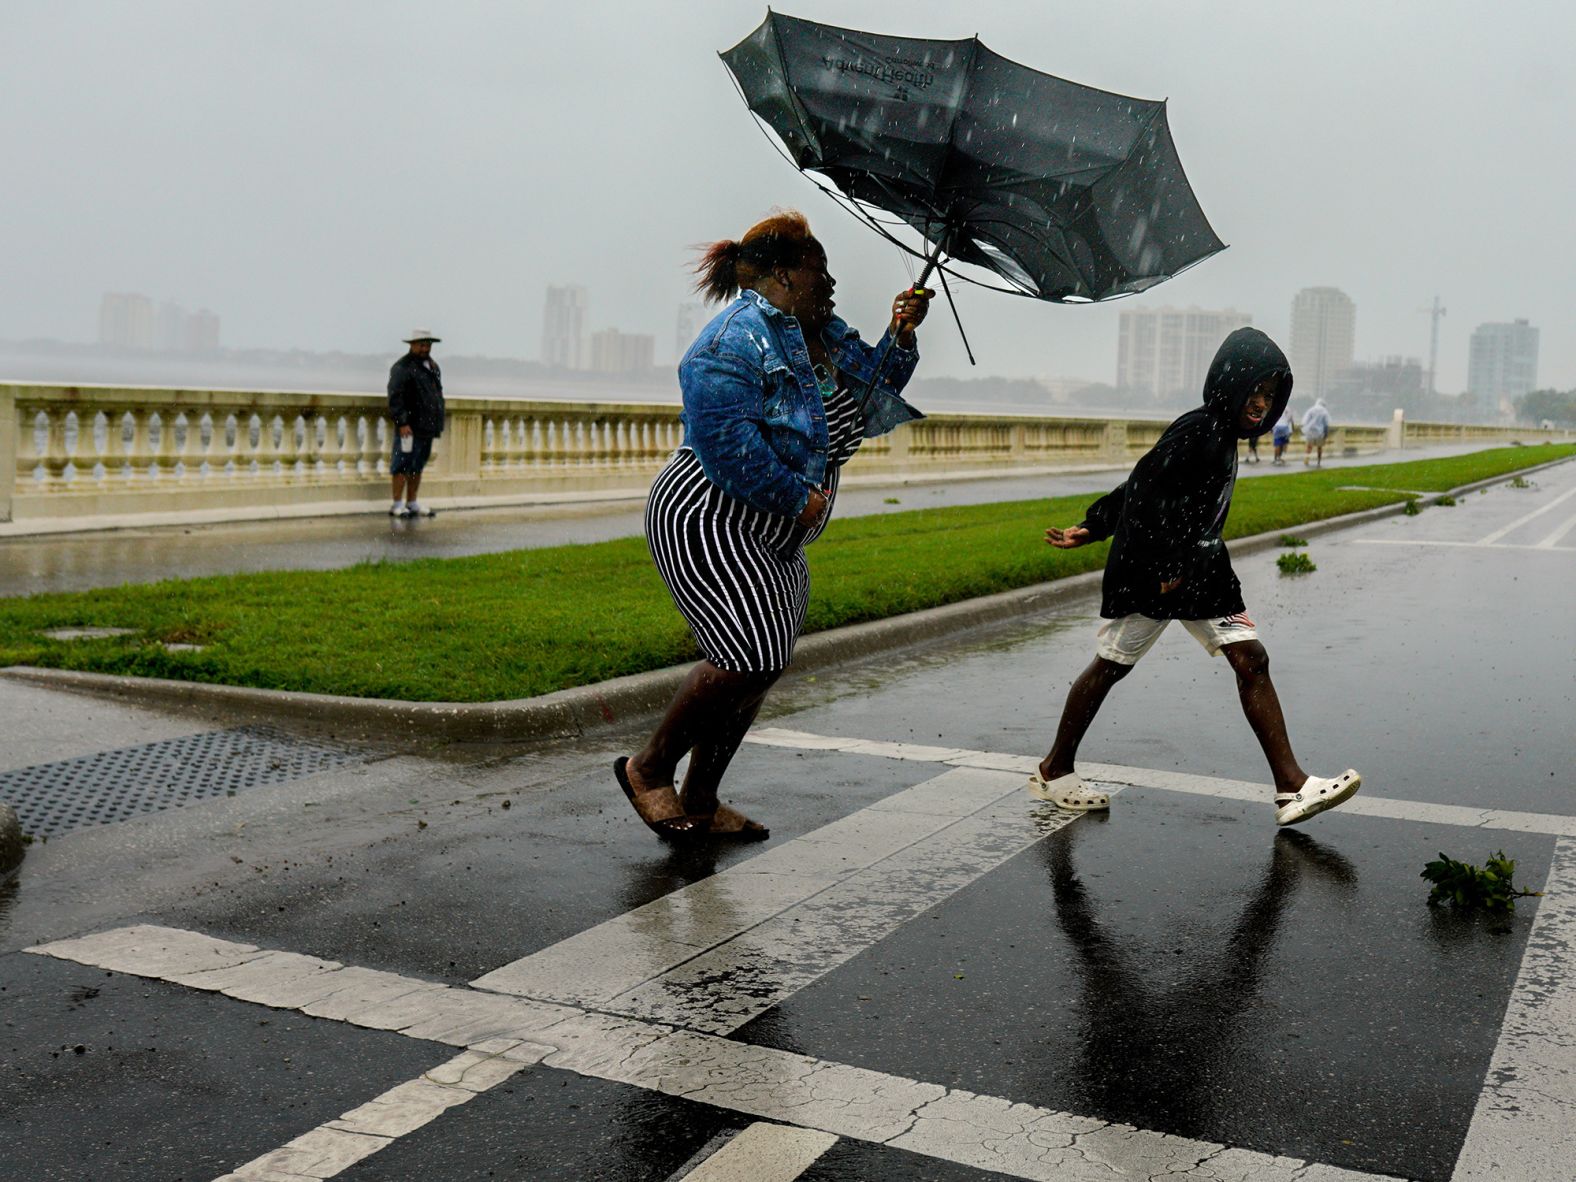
[[78, 454]]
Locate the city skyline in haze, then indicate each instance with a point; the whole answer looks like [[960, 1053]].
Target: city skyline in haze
[[329, 175]]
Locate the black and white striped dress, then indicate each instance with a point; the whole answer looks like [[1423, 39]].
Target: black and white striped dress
[[738, 574]]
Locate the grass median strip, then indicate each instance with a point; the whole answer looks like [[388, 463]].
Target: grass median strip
[[528, 622]]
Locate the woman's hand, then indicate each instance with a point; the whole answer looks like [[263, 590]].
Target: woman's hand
[[1067, 539], [1169, 585], [908, 312], [814, 509]]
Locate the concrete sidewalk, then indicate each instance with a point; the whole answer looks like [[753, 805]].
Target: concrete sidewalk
[[71, 562]]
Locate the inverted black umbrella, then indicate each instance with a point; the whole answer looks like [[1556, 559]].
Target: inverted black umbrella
[[1068, 193]]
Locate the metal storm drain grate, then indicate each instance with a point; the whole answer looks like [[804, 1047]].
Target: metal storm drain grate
[[113, 785]]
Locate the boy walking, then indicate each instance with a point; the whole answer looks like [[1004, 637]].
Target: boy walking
[[1168, 562]]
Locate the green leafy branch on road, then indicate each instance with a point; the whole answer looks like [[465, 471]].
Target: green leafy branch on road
[[527, 622], [1465, 886], [1295, 563]]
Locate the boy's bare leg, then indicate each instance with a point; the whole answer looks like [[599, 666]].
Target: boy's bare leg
[[1250, 661], [1083, 703]]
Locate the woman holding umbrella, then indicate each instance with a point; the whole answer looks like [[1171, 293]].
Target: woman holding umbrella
[[778, 394]]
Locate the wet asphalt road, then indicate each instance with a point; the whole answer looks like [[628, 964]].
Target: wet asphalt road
[[1174, 966]]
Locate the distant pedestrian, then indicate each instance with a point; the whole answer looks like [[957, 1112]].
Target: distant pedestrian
[[1281, 436], [1315, 430], [1253, 449], [778, 394], [416, 408], [1168, 562]]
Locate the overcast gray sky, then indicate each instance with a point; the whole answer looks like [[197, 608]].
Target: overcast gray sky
[[326, 175]]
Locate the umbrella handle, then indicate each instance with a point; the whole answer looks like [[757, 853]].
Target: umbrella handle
[[930, 265], [897, 317]]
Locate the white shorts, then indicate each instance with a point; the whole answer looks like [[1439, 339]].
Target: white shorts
[[1124, 641]]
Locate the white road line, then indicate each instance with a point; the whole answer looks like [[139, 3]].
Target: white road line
[[764, 1153], [775, 924], [1116, 776], [1559, 532], [987, 1132], [334, 1147], [1489, 539], [1525, 1123], [1455, 545]]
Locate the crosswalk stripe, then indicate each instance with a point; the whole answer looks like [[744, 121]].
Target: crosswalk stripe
[[1117, 776], [774, 924], [334, 1147], [950, 1124], [764, 1153], [1524, 1125]]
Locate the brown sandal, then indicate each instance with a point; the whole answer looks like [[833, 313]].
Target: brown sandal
[[730, 824], [658, 807]]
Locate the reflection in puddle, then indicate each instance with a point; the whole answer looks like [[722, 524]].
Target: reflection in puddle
[[1158, 1046]]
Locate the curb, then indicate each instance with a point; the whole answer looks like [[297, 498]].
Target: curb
[[571, 713], [12, 851], [566, 713]]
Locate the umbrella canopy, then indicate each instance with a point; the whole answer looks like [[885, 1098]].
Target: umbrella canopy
[[1066, 192]]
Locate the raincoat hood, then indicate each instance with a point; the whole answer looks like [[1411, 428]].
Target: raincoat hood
[[1244, 359]]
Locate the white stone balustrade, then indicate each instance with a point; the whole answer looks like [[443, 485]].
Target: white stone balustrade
[[75, 457]]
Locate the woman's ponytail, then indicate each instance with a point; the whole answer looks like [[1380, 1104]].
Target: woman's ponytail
[[717, 271], [778, 241]]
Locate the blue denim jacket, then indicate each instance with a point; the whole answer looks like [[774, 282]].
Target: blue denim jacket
[[752, 408]]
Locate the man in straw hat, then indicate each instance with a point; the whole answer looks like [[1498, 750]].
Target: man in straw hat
[[416, 407]]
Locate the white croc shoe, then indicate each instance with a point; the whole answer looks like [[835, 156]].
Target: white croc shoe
[[1068, 792], [1315, 796]]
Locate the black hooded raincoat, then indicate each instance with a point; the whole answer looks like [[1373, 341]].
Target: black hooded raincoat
[[1165, 520]]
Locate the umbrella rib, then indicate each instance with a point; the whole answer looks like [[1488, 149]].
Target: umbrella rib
[[852, 207], [793, 95], [952, 129]]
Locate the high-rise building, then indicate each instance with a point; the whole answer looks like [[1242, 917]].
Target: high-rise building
[[1164, 353], [564, 327], [1502, 365], [201, 334], [621, 352], [170, 327], [693, 316], [1323, 334], [1370, 391], [127, 321]]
